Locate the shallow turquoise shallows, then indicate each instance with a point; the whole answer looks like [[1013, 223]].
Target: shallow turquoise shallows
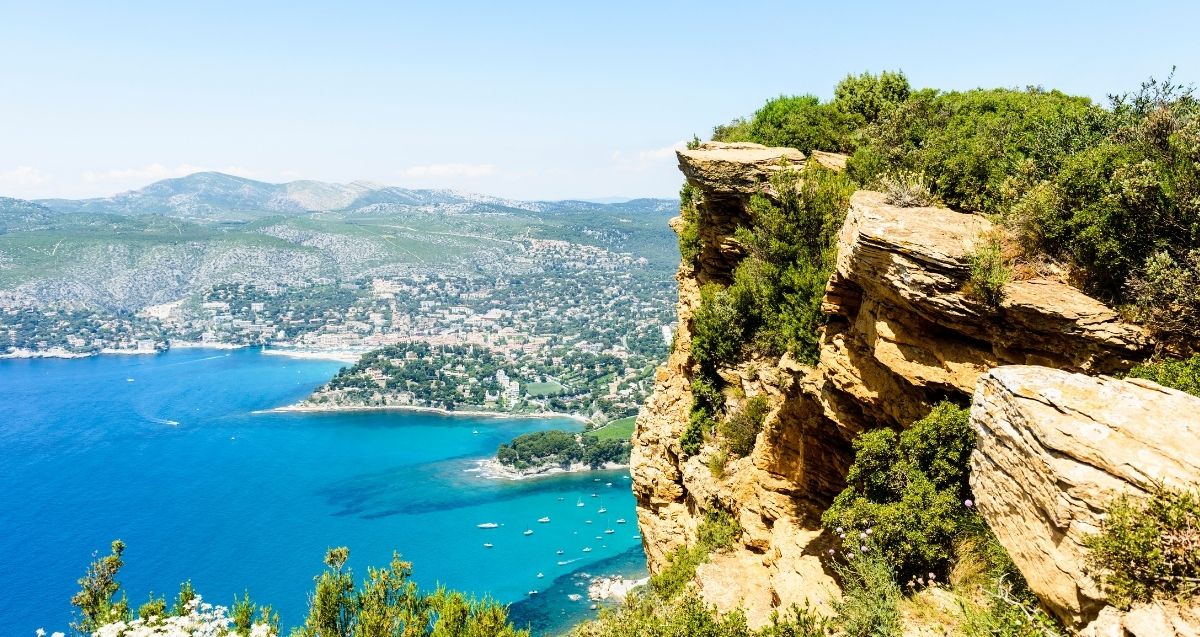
[[167, 453]]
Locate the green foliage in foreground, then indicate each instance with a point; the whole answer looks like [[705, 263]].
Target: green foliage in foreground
[[907, 492], [869, 606], [385, 604], [1183, 375], [1149, 550]]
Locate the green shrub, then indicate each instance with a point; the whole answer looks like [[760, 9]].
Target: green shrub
[[386, 603], [717, 329], [906, 190], [869, 606], [699, 422], [689, 234], [778, 288], [1149, 550], [1165, 296], [801, 122], [97, 598], [870, 96], [988, 274], [1183, 375], [717, 532], [907, 491], [741, 429]]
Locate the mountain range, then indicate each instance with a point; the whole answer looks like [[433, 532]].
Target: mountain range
[[214, 195], [177, 236]]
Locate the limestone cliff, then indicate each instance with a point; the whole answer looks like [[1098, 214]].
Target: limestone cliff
[[902, 334]]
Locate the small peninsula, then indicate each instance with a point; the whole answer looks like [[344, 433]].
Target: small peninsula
[[542, 453]]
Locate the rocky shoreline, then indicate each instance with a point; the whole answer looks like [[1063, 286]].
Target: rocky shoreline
[[494, 469]]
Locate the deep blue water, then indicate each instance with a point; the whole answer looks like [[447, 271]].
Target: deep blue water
[[167, 453]]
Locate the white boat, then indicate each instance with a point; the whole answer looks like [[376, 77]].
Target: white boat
[[587, 549], [608, 484], [587, 521], [580, 503], [532, 593], [602, 510], [559, 552], [475, 432], [487, 525], [594, 495], [609, 531], [544, 519], [528, 531], [620, 520], [488, 545], [540, 575]]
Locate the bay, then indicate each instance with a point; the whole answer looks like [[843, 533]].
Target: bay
[[173, 454]]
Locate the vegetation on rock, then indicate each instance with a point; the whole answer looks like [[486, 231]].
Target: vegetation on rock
[[1149, 549], [1112, 192], [908, 491], [1183, 375]]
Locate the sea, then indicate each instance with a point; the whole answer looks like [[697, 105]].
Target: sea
[[178, 455]]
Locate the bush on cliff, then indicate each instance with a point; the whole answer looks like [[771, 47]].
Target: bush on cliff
[[792, 249], [800, 122], [907, 492], [1183, 375], [1113, 193], [1149, 549], [741, 429]]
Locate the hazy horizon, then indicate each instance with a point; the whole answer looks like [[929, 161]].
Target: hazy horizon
[[535, 101]]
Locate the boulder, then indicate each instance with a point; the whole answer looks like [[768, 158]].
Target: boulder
[[1053, 449]]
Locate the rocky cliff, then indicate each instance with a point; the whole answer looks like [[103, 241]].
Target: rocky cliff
[[903, 333]]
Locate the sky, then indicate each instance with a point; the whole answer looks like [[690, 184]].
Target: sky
[[529, 100]]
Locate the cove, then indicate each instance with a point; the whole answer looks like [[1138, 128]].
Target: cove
[[172, 454]]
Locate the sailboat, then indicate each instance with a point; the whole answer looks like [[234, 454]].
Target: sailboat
[[528, 531], [544, 519], [580, 503]]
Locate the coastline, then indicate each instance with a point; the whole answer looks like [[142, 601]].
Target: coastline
[[340, 355], [493, 469], [301, 408]]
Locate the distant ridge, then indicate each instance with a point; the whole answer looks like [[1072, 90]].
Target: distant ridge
[[213, 195]]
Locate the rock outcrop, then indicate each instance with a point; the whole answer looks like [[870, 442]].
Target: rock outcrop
[[903, 334], [1054, 448]]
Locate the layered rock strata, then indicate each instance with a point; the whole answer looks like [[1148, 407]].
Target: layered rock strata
[[903, 334], [1053, 449]]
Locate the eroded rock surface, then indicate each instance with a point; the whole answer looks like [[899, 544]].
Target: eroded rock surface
[[903, 335], [1054, 448]]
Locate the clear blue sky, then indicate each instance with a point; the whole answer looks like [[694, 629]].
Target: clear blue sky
[[549, 99]]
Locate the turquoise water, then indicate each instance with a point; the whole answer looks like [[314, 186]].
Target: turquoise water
[[166, 453]]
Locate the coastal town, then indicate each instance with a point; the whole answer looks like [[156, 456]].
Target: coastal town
[[577, 329]]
